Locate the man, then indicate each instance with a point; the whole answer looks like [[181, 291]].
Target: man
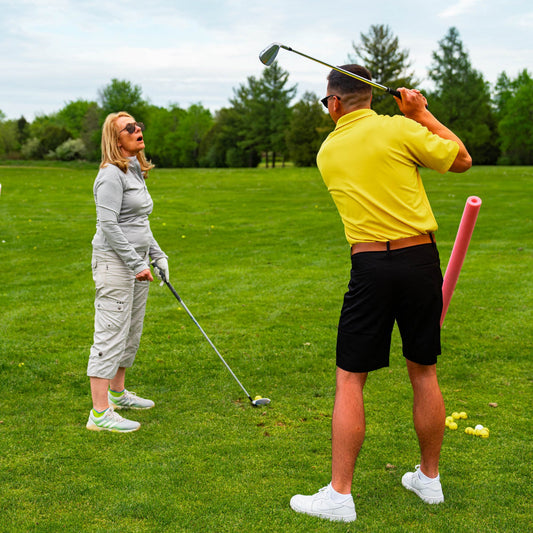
[[370, 165]]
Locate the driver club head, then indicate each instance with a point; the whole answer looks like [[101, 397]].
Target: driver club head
[[268, 55], [261, 401]]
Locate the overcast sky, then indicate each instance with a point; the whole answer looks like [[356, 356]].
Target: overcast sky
[[197, 51]]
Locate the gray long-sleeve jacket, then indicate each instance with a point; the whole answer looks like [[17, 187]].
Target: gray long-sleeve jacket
[[123, 204]]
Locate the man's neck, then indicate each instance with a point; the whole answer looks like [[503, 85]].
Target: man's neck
[[351, 109]]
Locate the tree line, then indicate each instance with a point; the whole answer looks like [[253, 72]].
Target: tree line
[[263, 124]]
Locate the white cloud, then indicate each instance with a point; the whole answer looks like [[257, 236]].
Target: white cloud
[[523, 21], [461, 7]]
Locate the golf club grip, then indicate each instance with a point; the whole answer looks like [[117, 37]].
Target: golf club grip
[[165, 280], [394, 92]]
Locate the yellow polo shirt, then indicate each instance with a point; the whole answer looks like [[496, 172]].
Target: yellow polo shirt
[[369, 164]]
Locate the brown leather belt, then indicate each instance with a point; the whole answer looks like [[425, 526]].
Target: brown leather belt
[[407, 242]]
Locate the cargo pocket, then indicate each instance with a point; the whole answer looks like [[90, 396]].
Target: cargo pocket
[[110, 313], [98, 270]]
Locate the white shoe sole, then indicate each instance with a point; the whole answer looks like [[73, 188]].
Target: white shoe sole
[[117, 407], [427, 499], [319, 514], [94, 427]]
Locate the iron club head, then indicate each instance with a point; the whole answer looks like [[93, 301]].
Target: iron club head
[[261, 401], [268, 55]]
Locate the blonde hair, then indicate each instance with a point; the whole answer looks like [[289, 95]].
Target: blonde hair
[[111, 154]]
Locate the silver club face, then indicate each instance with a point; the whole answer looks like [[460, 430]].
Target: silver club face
[[261, 401], [268, 55]]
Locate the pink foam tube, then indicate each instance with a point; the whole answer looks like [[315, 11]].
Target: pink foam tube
[[464, 233]]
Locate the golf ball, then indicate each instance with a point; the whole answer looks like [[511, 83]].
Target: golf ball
[[258, 397], [479, 426], [463, 415], [469, 431], [452, 425], [456, 416]]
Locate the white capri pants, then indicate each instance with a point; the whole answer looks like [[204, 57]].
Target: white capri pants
[[119, 304]]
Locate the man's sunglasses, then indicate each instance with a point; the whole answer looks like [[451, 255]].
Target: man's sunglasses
[[131, 127], [325, 100]]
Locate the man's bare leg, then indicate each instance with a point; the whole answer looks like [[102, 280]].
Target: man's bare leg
[[429, 415], [347, 428]]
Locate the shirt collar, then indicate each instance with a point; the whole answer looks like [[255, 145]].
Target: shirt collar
[[354, 115]]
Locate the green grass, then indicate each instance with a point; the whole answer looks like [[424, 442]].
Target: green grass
[[260, 259]]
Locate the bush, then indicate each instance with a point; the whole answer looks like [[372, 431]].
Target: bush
[[31, 148], [70, 150]]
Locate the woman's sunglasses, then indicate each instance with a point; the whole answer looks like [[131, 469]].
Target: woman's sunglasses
[[131, 127]]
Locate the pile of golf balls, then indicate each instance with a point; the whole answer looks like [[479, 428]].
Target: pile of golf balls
[[451, 420], [479, 430]]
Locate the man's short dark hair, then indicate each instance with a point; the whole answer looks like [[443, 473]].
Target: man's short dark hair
[[344, 84]]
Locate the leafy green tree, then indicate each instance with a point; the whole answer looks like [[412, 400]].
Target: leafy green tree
[[218, 140], [91, 132], [379, 51], [275, 105], [191, 131], [308, 127], [83, 120], [516, 120], [503, 92], [462, 101], [161, 135], [224, 145], [45, 135], [263, 108], [173, 136], [247, 121], [72, 116], [23, 128], [9, 139], [122, 95]]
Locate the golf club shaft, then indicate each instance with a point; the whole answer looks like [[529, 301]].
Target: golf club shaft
[[175, 293], [394, 92]]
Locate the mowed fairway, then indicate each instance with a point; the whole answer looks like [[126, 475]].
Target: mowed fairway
[[260, 259]]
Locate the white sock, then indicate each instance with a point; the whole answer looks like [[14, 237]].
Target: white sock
[[337, 497], [422, 477]]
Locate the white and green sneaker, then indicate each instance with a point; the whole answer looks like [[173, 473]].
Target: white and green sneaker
[[111, 421], [128, 400]]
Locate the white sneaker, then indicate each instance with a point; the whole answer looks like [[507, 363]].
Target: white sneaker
[[129, 400], [111, 421], [321, 505], [428, 492]]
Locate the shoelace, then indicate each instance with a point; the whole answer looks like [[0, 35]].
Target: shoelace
[[113, 415], [324, 489], [129, 396], [110, 417]]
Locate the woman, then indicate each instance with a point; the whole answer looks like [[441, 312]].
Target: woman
[[122, 246]]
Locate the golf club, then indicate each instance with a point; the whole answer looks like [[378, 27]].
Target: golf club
[[257, 401], [268, 55]]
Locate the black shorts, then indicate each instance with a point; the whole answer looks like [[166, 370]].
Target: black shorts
[[400, 285]]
